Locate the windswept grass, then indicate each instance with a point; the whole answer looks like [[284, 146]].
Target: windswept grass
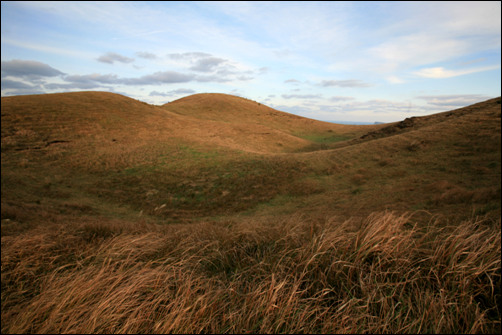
[[383, 274]]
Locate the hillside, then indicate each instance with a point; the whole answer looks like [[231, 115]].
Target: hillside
[[277, 128], [447, 163], [217, 214], [239, 124], [210, 153]]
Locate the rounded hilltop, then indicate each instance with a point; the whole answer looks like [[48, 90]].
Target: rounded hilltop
[[238, 110]]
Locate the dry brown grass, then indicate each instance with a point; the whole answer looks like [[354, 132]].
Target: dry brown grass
[[383, 274]]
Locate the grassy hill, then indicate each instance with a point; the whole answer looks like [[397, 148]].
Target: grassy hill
[[240, 111], [215, 213]]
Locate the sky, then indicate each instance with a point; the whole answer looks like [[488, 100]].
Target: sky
[[338, 61]]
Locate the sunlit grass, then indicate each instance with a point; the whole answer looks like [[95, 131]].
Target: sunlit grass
[[382, 274]]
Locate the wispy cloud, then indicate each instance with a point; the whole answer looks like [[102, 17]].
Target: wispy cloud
[[301, 96], [88, 81], [95, 77], [15, 84], [421, 34], [203, 62], [340, 98], [76, 53], [349, 108], [441, 72], [453, 101], [215, 69], [208, 64], [171, 93], [17, 87], [189, 56], [344, 83], [416, 49], [112, 57], [26, 73], [146, 55]]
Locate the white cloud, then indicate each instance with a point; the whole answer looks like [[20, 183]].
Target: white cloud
[[440, 72], [453, 101], [418, 34], [413, 50], [394, 80]]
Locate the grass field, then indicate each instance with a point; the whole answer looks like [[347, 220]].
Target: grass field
[[217, 214]]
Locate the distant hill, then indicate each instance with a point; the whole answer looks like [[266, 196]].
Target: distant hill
[[260, 123], [237, 110], [210, 119]]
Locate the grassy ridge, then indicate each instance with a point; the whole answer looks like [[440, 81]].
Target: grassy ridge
[[216, 214]]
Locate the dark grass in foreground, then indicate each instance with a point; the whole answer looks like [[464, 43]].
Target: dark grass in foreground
[[383, 274]]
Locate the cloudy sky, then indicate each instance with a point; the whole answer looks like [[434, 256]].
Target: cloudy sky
[[335, 61]]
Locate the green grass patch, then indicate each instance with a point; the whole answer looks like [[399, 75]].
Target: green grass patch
[[320, 141], [323, 138], [210, 185]]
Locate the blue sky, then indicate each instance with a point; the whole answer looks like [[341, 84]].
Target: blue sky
[[335, 61]]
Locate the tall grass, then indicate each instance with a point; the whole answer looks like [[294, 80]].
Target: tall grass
[[381, 274]]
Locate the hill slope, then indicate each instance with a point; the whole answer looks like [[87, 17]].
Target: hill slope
[[447, 163], [246, 114]]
